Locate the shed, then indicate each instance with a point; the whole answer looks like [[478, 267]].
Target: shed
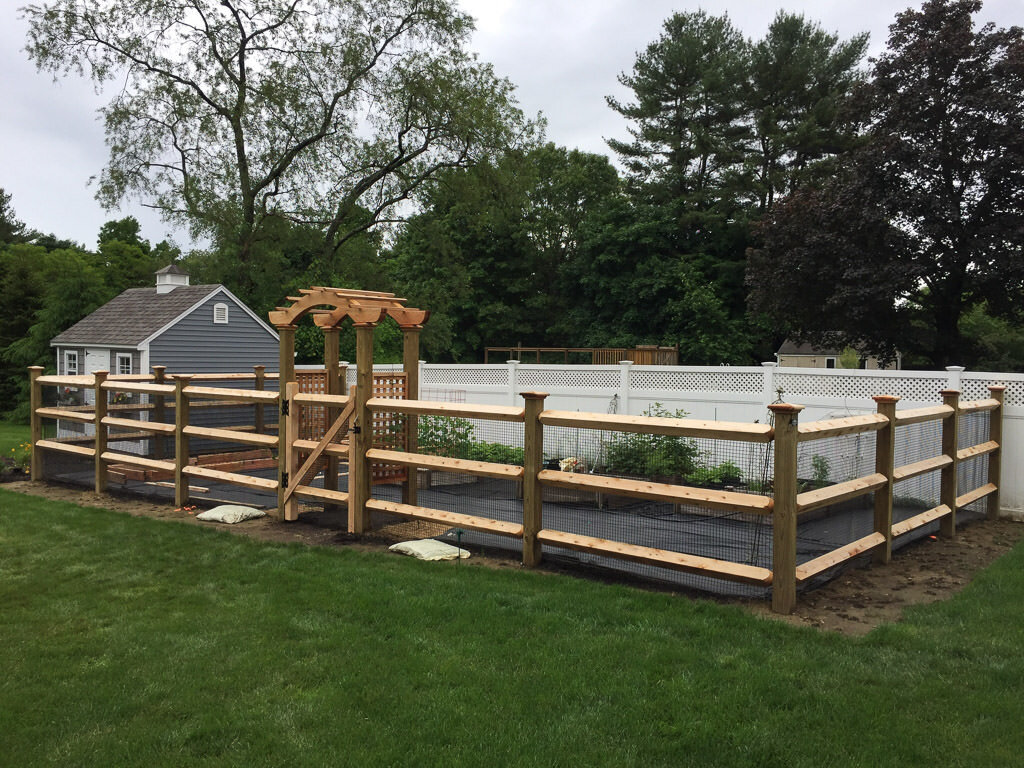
[[804, 355], [187, 328]]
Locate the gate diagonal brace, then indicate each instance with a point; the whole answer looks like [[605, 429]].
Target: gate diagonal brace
[[343, 419]]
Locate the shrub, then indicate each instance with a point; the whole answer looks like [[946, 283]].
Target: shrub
[[649, 455], [445, 436]]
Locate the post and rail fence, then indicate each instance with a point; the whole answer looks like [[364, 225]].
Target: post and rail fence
[[348, 438]]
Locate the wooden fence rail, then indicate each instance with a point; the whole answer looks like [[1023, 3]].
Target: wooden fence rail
[[347, 439]]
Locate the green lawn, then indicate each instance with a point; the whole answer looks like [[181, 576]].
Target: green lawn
[[129, 641], [12, 436]]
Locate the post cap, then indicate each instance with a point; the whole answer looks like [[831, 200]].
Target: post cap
[[885, 399], [533, 395], [997, 388], [785, 408], [949, 392]]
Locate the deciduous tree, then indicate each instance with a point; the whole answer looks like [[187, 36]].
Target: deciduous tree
[[926, 219], [231, 113]]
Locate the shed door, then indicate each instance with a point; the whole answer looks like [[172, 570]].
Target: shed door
[[96, 359]]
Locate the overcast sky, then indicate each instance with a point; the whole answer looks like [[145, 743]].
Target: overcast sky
[[563, 56]]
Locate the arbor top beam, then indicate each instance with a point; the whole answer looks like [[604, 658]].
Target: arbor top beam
[[330, 306]]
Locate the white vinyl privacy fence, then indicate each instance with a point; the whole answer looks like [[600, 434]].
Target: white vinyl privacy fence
[[726, 393]]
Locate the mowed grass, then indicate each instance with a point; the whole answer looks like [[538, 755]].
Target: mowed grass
[[129, 641], [13, 436]]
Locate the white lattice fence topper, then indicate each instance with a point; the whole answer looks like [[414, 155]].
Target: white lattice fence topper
[[729, 380], [976, 387], [569, 378], [853, 387], [465, 375]]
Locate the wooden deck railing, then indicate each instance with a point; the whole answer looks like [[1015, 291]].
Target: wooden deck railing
[[347, 440]]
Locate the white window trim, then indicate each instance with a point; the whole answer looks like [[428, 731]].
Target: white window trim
[[117, 363], [219, 307], [70, 354]]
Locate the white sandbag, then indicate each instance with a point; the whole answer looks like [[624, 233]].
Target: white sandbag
[[428, 549], [230, 513]]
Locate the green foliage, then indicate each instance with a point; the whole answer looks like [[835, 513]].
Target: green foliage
[[453, 437], [494, 255], [922, 220], [232, 119], [821, 467], [725, 473], [498, 453], [850, 358], [445, 436], [647, 455]]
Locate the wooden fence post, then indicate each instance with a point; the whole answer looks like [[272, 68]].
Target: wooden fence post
[[361, 437], [36, 421], [259, 417], [533, 463], [950, 445], [180, 441], [995, 459], [784, 522], [159, 411], [100, 413], [885, 464], [290, 511]]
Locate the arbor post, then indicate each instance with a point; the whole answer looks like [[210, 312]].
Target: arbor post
[[180, 440], [100, 413], [411, 365], [784, 522], [533, 463], [995, 459], [332, 351], [286, 373], [885, 464], [362, 431], [950, 445], [290, 427], [36, 421]]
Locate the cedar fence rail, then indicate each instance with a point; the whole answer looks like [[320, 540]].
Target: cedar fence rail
[[344, 441]]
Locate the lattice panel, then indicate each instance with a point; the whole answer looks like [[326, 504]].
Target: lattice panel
[[798, 385], [312, 418], [462, 376], [977, 389], [568, 378], [389, 428], [697, 381]]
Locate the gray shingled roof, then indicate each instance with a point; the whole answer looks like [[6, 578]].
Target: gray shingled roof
[[134, 316]]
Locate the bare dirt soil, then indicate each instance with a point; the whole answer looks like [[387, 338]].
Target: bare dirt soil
[[856, 602]]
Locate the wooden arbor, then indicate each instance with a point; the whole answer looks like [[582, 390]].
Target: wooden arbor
[[329, 308]]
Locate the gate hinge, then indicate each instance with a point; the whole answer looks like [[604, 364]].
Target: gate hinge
[[357, 430], [284, 408], [284, 479]]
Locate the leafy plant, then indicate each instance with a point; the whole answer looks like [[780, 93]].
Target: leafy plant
[[649, 455], [445, 436], [498, 453], [820, 468], [726, 472]]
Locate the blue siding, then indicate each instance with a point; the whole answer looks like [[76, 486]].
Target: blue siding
[[195, 344]]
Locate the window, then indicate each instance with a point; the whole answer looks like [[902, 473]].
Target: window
[[71, 363], [220, 313], [830, 362], [124, 363]]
